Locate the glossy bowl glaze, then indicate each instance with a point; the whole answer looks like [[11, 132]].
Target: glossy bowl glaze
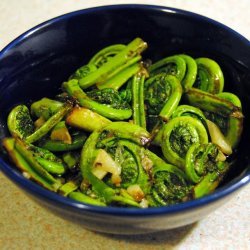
[[36, 63]]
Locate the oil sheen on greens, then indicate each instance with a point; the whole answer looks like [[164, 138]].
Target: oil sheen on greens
[[127, 133]]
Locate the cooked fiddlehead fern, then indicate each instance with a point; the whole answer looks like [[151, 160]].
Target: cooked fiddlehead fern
[[109, 136], [139, 116], [19, 122], [104, 55], [23, 157], [177, 137], [173, 65], [211, 181], [170, 185], [100, 58], [211, 103], [210, 77], [121, 60], [191, 71], [108, 111], [117, 81], [37, 174], [49, 124], [78, 140], [162, 95], [201, 159], [168, 188], [120, 163], [21, 125], [45, 108], [223, 109], [48, 160], [235, 121], [187, 110]]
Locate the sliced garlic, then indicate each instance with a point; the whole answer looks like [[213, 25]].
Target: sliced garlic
[[104, 164], [116, 179], [136, 192], [144, 203], [218, 138], [99, 172], [26, 175]]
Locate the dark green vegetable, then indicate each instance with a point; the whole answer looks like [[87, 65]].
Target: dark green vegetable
[[19, 122], [141, 178], [99, 59], [139, 116], [113, 132], [177, 137], [210, 182], [37, 174], [58, 146], [187, 110], [91, 143], [210, 77], [83, 71], [201, 159], [162, 95], [234, 121], [173, 65], [128, 131], [118, 80], [109, 97], [50, 166], [191, 72], [170, 184], [104, 55], [48, 160], [49, 124], [108, 111], [211, 103], [45, 107], [168, 187], [115, 65], [24, 158], [224, 109]]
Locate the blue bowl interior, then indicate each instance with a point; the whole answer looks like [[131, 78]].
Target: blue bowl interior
[[35, 64]]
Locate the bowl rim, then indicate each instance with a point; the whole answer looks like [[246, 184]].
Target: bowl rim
[[54, 198]]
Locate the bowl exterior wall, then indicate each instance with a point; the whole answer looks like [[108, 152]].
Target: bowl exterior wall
[[131, 225]]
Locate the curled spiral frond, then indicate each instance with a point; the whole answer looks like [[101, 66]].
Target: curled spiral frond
[[177, 137], [187, 110], [191, 71], [209, 77], [121, 144], [116, 112], [170, 185], [162, 95], [200, 160], [173, 65], [104, 55]]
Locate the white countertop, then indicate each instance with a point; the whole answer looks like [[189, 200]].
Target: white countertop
[[25, 225]]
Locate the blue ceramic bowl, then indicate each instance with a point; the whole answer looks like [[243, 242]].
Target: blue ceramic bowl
[[36, 63]]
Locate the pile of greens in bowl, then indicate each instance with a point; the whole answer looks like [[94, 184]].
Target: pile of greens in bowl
[[124, 131]]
